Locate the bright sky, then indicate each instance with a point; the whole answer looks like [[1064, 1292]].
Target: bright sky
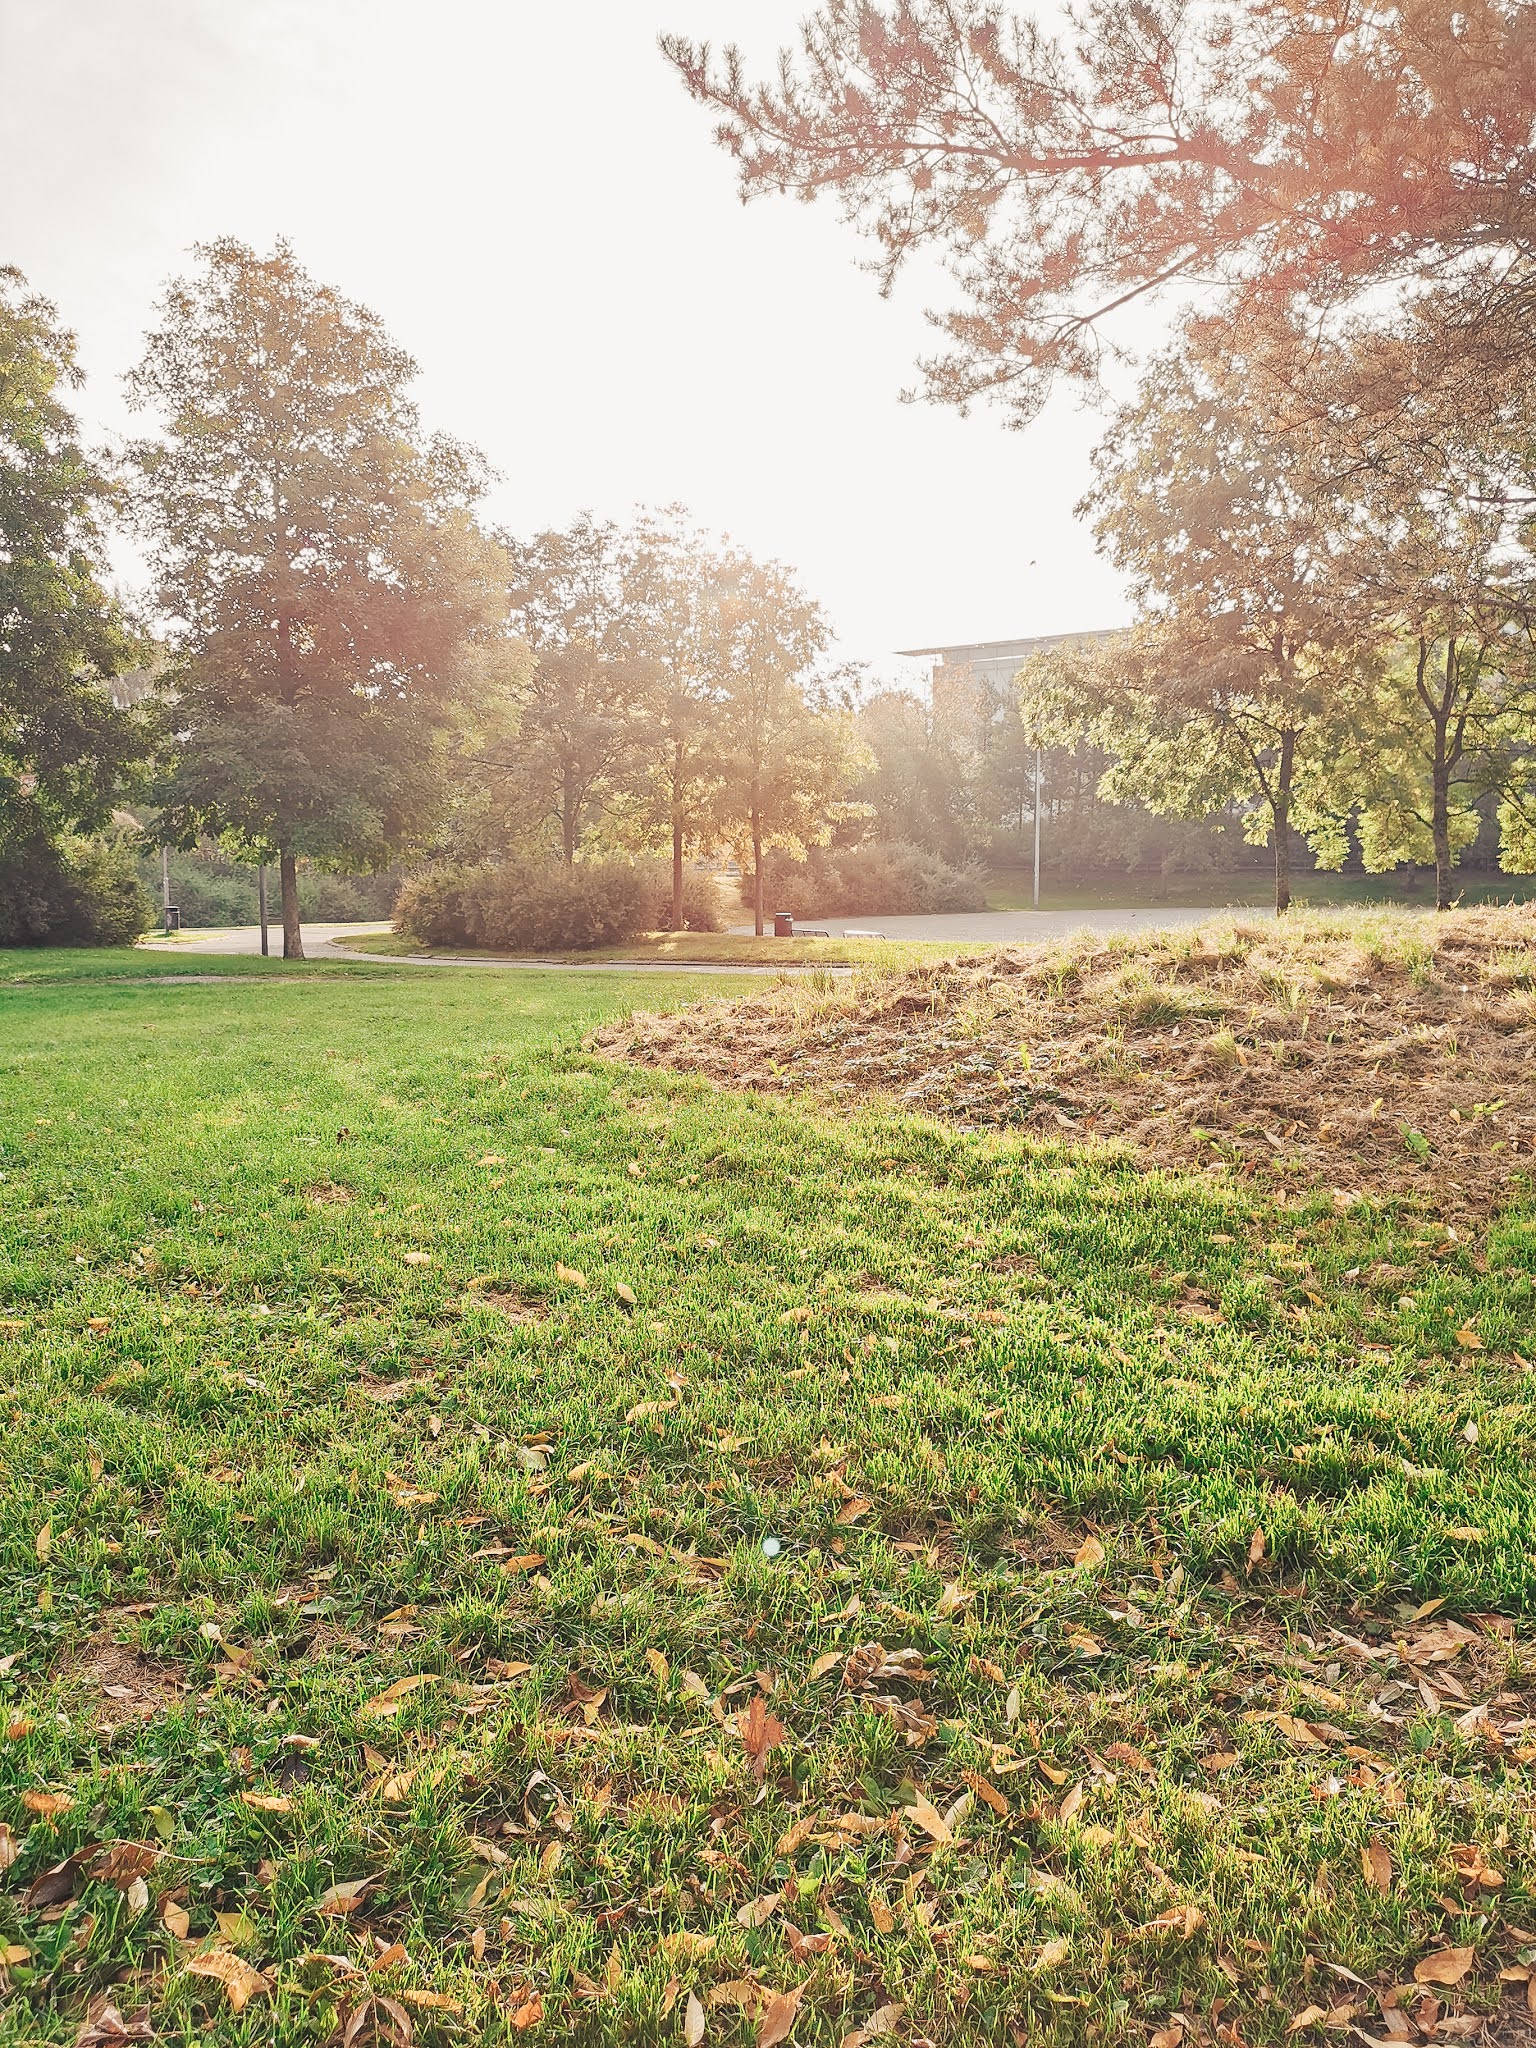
[[523, 191]]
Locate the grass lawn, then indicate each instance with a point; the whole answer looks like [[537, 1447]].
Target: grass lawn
[[1013, 889], [709, 949], [503, 1545]]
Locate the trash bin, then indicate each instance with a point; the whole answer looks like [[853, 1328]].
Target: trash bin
[[783, 925], [172, 918]]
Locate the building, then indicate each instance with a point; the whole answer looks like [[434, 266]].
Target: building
[[972, 683]]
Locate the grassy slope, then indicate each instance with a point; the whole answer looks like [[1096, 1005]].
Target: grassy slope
[[281, 1433]]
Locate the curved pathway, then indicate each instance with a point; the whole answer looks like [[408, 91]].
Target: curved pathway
[[973, 928]]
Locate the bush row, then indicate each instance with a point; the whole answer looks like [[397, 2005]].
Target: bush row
[[884, 878], [551, 907], [70, 892]]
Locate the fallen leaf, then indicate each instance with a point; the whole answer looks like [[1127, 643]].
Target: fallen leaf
[[344, 1898], [1053, 1952], [625, 1294], [989, 1793], [47, 1804], [661, 1671], [1445, 1966], [828, 1661], [929, 1819], [174, 1919], [388, 1702], [418, 1258], [951, 1601], [44, 1542], [9, 1847], [1307, 2017], [1255, 1549], [757, 1912], [1089, 1553], [693, 2021], [531, 2011], [1073, 1803], [1184, 1921], [572, 1278], [760, 1732], [241, 1982], [1376, 1864], [267, 1802], [778, 2018], [105, 2027]]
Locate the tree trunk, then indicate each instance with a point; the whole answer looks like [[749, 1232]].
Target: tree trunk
[[1441, 823], [1281, 808], [677, 874], [1440, 785], [293, 937], [570, 829], [757, 871]]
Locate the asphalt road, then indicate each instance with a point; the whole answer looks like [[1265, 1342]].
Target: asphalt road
[[972, 928]]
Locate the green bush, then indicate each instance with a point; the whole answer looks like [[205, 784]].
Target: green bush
[[554, 908], [883, 878], [701, 899], [71, 892]]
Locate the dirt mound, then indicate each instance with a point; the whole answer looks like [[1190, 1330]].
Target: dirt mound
[[1374, 1053]]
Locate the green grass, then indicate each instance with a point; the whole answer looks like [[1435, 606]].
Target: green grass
[[1012, 888], [878, 1382], [691, 949]]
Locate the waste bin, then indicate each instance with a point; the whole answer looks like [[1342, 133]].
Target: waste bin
[[783, 925], [172, 918]]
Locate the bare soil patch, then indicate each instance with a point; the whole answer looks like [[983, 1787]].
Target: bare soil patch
[[124, 1683], [1379, 1054]]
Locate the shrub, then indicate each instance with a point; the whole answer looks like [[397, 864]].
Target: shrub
[[558, 908], [883, 878], [701, 899], [71, 892]]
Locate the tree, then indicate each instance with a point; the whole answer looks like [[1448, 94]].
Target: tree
[[332, 599], [66, 749], [1237, 686], [577, 751], [677, 632], [787, 750], [916, 783], [1277, 148]]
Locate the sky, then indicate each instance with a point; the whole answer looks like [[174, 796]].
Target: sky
[[523, 191]]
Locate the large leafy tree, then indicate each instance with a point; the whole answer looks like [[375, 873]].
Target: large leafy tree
[[66, 746], [1238, 685], [788, 753], [1285, 149], [332, 599], [576, 756]]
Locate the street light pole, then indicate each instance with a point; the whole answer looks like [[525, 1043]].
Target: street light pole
[[1037, 824], [165, 888]]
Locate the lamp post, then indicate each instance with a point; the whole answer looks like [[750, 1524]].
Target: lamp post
[[1037, 823]]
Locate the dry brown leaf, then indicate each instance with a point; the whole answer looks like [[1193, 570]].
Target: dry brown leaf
[[989, 1793], [572, 1277], [1376, 1865], [757, 1912], [104, 2025], [345, 1898], [241, 1982], [796, 1836], [388, 1702], [1307, 2017], [531, 2011], [418, 1258], [693, 2021], [267, 1802], [778, 2018], [10, 1849], [1445, 1966], [1053, 1952], [47, 1804], [1090, 1552], [828, 1661], [44, 1542], [1073, 1803], [174, 1919], [661, 1671], [853, 1510], [881, 1914], [1256, 1548], [760, 1732], [930, 1820], [1184, 1921]]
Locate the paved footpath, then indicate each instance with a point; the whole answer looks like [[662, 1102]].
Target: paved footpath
[[972, 928]]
